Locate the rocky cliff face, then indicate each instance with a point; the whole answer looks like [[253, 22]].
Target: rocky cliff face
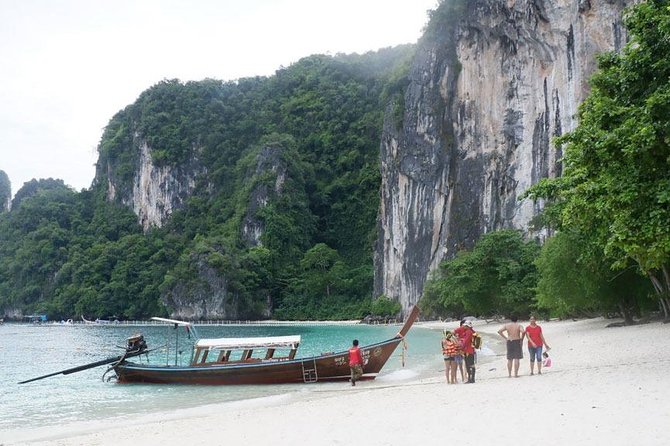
[[489, 87], [206, 297], [209, 295], [5, 192], [156, 191], [269, 164]]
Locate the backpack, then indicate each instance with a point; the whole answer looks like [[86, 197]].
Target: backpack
[[476, 341]]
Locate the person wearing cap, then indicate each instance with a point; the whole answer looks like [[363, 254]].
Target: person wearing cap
[[465, 333], [458, 332]]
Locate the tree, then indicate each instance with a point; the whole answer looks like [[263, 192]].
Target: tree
[[497, 277], [322, 116], [616, 182], [384, 307], [575, 279], [318, 265]]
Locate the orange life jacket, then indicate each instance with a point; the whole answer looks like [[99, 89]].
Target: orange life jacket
[[449, 347]]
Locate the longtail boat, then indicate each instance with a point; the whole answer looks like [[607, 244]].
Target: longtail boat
[[266, 360]]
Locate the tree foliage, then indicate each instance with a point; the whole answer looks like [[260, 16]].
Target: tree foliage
[[576, 279], [321, 117], [616, 182], [497, 277]]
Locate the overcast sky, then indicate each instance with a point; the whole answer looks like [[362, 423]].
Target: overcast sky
[[67, 66]]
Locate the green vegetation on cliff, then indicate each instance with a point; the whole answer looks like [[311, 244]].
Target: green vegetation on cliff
[[319, 121]]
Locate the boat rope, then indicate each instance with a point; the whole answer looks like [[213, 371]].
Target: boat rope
[[105, 374], [114, 364], [403, 350]]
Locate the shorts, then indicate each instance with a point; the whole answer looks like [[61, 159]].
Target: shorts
[[514, 350], [458, 359], [449, 358], [535, 353]]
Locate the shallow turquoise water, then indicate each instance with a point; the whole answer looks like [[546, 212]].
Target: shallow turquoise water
[[28, 351]]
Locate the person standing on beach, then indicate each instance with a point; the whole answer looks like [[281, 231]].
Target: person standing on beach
[[535, 343], [465, 333], [514, 337], [355, 362], [450, 349], [459, 332]]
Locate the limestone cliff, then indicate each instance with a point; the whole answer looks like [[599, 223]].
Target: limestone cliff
[[492, 82], [156, 190], [269, 164], [209, 295], [5, 192]]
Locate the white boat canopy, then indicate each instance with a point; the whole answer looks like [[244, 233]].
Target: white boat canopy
[[171, 321], [249, 343]]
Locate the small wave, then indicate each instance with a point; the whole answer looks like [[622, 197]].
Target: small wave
[[486, 351], [398, 375]]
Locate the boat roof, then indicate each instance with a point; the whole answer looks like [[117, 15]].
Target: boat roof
[[249, 343], [171, 321]]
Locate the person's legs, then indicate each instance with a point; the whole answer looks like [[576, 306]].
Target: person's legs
[[531, 354], [452, 370], [538, 359], [510, 357], [514, 354], [459, 360], [447, 370], [356, 372], [470, 366]]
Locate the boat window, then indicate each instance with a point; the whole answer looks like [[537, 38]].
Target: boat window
[[205, 356]]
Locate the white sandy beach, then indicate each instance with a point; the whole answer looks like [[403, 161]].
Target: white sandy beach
[[606, 386]]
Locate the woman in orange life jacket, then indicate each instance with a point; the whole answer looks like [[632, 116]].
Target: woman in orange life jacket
[[450, 349]]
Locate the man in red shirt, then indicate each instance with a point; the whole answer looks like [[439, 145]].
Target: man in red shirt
[[465, 333], [535, 342], [355, 362]]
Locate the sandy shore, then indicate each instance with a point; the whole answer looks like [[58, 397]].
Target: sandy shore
[[606, 386]]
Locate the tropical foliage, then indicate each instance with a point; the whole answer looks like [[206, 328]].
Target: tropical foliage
[[71, 254], [498, 277], [616, 182], [318, 122]]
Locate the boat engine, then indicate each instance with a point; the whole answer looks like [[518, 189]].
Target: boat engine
[[136, 343]]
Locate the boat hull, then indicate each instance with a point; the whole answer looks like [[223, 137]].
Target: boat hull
[[324, 368]]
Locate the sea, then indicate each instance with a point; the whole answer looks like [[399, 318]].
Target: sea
[[32, 350]]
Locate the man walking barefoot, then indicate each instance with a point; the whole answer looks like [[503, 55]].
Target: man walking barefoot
[[355, 362], [514, 351]]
